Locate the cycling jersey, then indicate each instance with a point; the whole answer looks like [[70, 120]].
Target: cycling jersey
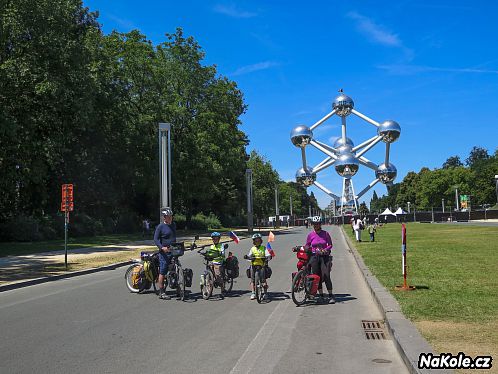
[[259, 254], [319, 242], [216, 253]]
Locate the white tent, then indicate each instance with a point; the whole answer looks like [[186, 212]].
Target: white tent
[[387, 212], [399, 211]]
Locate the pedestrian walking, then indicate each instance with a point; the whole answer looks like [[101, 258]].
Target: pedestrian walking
[[371, 230], [358, 226]]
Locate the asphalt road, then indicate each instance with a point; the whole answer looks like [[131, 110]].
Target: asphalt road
[[92, 324]]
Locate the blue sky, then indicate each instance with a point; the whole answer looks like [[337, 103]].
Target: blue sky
[[430, 66]]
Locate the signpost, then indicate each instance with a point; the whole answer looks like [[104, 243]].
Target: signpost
[[67, 205], [405, 286]]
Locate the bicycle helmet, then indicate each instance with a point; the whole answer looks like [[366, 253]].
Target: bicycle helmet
[[257, 236], [316, 219], [166, 211], [215, 234]]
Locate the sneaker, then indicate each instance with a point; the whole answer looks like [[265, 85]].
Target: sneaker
[[332, 298], [163, 296], [253, 295]]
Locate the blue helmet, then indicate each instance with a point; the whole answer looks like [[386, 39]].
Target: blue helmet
[[216, 234]]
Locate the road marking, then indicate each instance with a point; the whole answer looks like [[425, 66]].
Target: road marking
[[257, 346]]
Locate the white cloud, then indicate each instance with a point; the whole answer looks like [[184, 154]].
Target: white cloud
[[375, 32], [255, 67], [231, 11], [407, 69]]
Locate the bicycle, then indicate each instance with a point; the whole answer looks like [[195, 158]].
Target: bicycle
[[261, 273], [208, 278], [144, 273], [304, 283]]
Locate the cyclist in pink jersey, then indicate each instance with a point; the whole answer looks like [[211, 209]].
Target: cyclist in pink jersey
[[320, 244]]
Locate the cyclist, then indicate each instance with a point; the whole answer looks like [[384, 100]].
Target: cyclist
[[164, 236], [258, 253], [320, 243], [216, 253]]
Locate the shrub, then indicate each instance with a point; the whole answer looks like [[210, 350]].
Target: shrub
[[180, 221], [81, 225], [128, 223], [22, 229], [213, 222]]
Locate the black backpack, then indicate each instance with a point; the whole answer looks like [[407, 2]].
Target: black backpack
[[232, 267]]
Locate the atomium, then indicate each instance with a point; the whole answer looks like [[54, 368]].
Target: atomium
[[342, 146], [347, 165], [343, 105], [389, 130], [301, 136], [344, 155], [386, 173], [305, 177]]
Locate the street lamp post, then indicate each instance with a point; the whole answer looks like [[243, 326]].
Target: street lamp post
[[496, 179], [249, 200], [442, 203], [408, 206], [457, 207], [164, 165], [277, 213]]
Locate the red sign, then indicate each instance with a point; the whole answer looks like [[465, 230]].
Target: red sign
[[67, 203]]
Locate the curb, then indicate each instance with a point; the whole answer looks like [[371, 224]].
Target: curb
[[32, 282], [407, 339]]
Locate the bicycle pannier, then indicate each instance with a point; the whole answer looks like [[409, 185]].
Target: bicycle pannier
[[312, 281], [189, 275], [232, 267]]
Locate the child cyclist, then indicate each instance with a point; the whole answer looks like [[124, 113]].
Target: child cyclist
[[257, 254], [216, 253]]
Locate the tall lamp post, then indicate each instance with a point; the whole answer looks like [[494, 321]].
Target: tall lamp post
[[408, 206], [249, 200], [164, 137], [496, 179], [277, 213]]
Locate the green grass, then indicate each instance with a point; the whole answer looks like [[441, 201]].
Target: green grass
[[453, 267]]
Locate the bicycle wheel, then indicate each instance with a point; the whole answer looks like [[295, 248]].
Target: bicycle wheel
[[180, 288], [228, 283], [134, 277], [258, 285], [299, 292], [207, 289]]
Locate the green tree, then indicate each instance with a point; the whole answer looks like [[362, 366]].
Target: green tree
[[265, 178], [46, 99], [475, 155], [452, 162]]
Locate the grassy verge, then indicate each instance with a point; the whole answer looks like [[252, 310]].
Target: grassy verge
[[454, 269], [24, 248]]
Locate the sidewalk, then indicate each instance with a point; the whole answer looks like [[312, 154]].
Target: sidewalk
[[40, 266]]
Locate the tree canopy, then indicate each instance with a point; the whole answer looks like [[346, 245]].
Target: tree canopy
[[78, 106]]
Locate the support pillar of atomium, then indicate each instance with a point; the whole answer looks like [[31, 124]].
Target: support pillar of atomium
[[343, 154]]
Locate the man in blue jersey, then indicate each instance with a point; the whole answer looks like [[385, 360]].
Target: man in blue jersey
[[164, 236]]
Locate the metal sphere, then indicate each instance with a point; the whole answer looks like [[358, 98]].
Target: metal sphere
[[305, 177], [301, 136], [386, 173], [389, 130], [341, 147], [347, 165], [343, 105]]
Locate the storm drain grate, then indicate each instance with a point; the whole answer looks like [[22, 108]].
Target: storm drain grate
[[374, 330]]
